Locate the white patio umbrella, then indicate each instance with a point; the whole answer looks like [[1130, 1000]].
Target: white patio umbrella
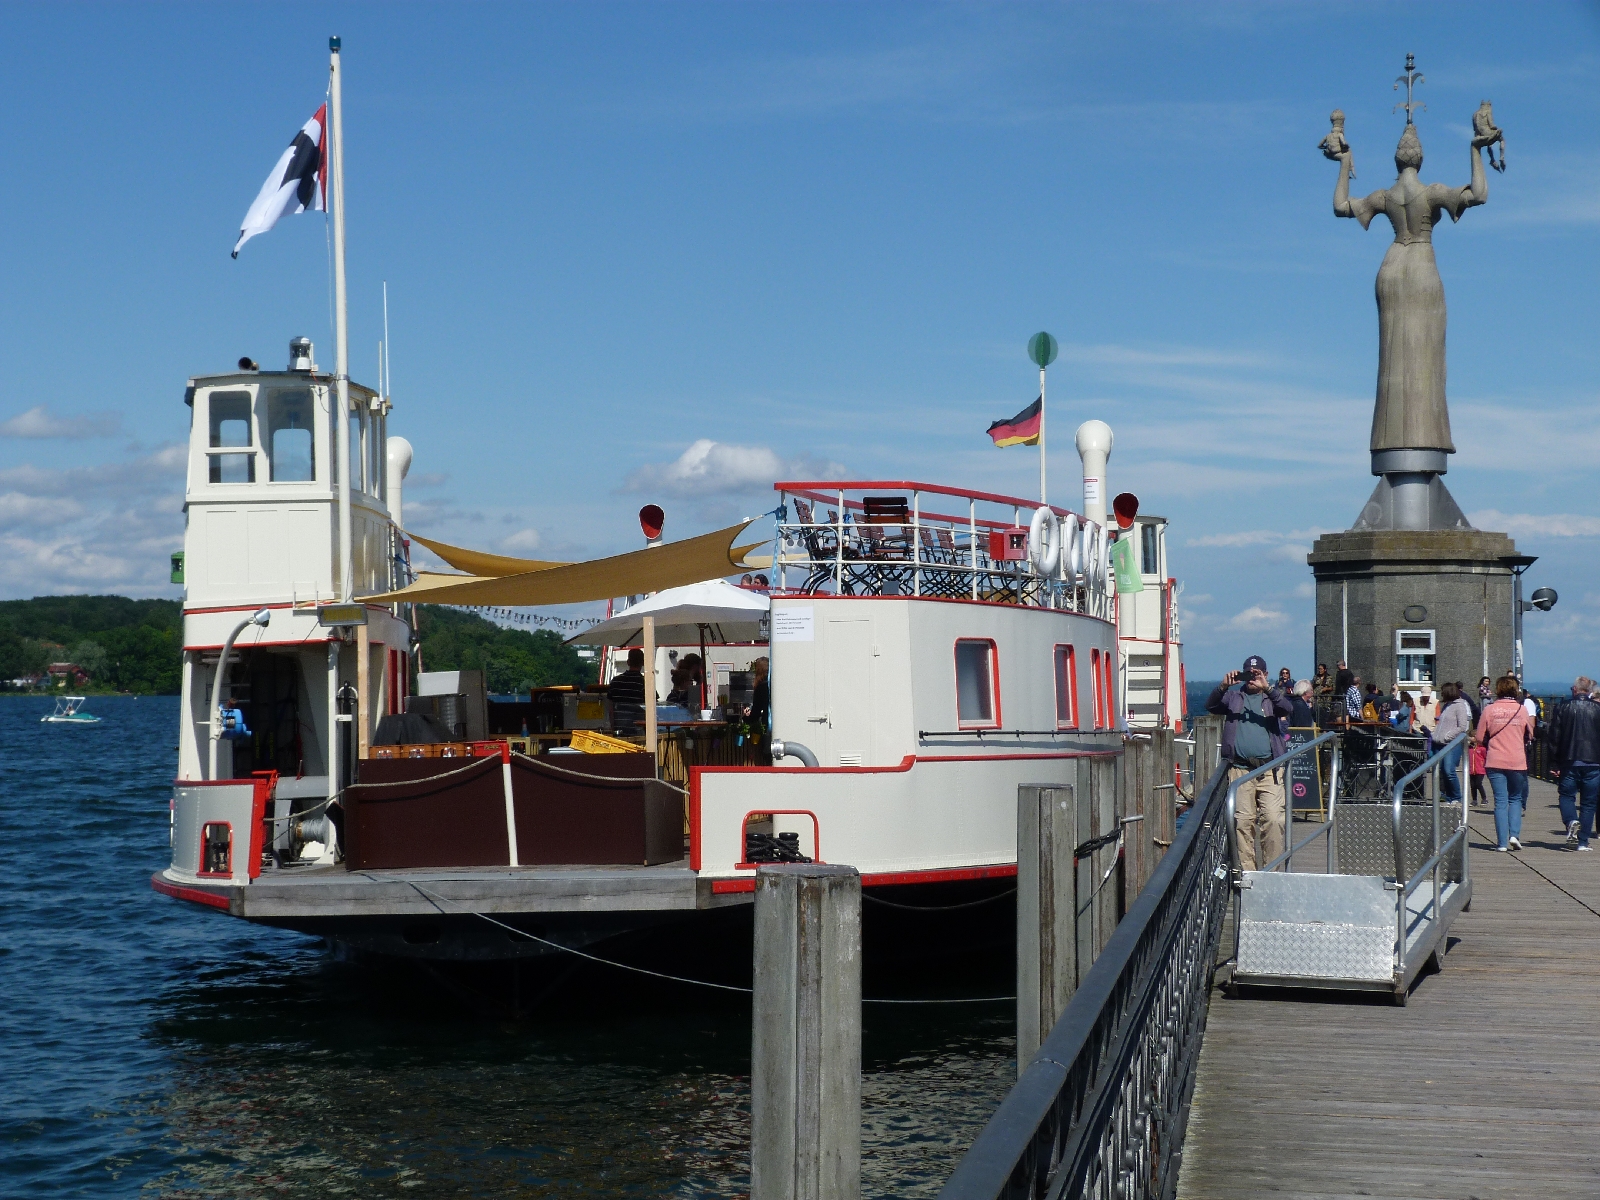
[[681, 614]]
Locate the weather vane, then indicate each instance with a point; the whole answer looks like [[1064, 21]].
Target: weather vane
[[1411, 78]]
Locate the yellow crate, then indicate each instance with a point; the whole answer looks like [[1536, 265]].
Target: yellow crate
[[591, 742]]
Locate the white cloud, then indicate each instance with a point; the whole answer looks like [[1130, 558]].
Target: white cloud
[[1258, 617], [710, 468], [108, 527], [1555, 525], [522, 541], [38, 422]]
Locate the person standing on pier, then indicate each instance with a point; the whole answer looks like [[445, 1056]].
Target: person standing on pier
[[1252, 736], [1575, 746], [1455, 718], [1504, 732]]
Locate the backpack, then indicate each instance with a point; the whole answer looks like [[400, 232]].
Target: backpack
[[1369, 712]]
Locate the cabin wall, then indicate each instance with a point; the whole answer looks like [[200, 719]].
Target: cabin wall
[[858, 680]]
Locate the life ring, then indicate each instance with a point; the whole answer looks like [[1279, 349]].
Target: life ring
[[1071, 547], [1044, 542], [1094, 541]]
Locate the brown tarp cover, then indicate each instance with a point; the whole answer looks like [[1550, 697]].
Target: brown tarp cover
[[479, 563], [654, 569]]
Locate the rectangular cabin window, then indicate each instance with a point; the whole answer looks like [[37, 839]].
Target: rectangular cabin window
[[291, 442], [977, 705], [230, 427], [1095, 695], [1151, 564], [1066, 687], [1108, 666]]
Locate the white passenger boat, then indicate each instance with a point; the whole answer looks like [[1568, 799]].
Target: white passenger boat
[[69, 711]]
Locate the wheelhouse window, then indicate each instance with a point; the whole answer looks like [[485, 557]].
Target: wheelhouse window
[[977, 704], [230, 429], [291, 442], [1066, 688], [1150, 555]]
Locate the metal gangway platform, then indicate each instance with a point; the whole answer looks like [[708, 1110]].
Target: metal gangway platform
[[1394, 876]]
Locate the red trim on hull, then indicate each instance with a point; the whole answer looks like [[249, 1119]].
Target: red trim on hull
[[193, 894], [890, 878]]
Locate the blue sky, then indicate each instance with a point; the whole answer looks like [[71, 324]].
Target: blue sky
[[817, 237]]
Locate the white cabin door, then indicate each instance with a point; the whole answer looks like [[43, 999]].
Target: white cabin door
[[846, 684]]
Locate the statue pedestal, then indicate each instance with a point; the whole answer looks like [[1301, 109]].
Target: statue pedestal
[[1453, 584]]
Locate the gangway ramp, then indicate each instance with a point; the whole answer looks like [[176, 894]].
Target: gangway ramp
[[1487, 1084]]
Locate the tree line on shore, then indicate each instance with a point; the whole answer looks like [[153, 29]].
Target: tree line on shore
[[122, 645]]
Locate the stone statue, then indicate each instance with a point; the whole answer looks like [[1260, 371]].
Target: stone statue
[[1485, 134], [1410, 420]]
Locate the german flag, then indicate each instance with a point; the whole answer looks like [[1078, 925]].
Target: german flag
[[1020, 430]]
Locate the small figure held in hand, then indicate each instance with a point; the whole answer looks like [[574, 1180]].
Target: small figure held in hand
[[1334, 147], [1486, 134]]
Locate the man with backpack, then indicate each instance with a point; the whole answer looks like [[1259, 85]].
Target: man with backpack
[[1574, 741], [1252, 735]]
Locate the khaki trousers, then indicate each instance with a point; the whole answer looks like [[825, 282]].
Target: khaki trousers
[[1258, 814]]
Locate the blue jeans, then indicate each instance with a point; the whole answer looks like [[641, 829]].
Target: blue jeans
[[1510, 801], [1450, 774], [1575, 781]]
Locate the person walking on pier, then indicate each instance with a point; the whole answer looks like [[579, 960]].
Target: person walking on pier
[[1575, 746], [1455, 718], [1252, 735], [1504, 732]]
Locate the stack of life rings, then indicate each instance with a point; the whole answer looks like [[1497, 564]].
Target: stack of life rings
[[1082, 544]]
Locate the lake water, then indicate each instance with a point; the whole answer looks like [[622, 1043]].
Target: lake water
[[150, 1048]]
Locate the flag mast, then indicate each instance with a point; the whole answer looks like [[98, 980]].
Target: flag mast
[[1042, 349], [341, 330]]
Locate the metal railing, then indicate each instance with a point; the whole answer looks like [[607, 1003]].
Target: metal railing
[[839, 546], [1101, 1110], [1435, 862], [1283, 760]]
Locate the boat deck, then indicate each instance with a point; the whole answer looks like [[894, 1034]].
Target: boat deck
[[333, 892], [1486, 1085]]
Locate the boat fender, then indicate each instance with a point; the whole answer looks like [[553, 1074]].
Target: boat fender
[[1044, 541], [782, 750], [1072, 547]]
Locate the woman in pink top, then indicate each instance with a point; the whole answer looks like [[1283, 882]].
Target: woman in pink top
[[1505, 730]]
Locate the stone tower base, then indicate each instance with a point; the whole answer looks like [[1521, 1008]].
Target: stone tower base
[[1455, 583]]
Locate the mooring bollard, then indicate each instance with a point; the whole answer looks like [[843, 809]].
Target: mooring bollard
[[1047, 940], [805, 1076]]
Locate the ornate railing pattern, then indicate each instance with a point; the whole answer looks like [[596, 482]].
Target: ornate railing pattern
[[831, 542], [1101, 1110]]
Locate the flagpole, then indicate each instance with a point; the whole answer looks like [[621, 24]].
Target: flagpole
[[1042, 494], [341, 330]]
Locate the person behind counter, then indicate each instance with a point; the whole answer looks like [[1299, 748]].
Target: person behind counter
[[760, 695], [688, 684], [627, 694]]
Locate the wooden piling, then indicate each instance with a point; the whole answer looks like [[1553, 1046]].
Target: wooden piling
[[805, 1080], [1047, 968]]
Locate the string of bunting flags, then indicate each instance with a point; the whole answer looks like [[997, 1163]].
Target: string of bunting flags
[[513, 617]]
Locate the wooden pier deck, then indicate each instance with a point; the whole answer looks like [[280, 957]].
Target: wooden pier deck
[[1487, 1085]]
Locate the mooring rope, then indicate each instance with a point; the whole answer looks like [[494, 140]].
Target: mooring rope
[[721, 987]]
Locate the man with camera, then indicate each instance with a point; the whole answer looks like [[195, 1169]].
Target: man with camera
[[1251, 737]]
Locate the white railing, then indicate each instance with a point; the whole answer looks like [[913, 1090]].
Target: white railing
[[836, 538]]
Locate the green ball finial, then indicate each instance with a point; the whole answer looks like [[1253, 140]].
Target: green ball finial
[[1042, 349]]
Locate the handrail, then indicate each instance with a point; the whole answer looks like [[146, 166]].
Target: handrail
[[1403, 886], [834, 486], [1101, 1109], [1288, 809], [1333, 792]]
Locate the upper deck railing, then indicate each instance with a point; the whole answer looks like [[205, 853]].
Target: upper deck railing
[[899, 538]]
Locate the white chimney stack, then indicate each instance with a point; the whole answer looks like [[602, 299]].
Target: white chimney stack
[[1094, 447], [399, 455]]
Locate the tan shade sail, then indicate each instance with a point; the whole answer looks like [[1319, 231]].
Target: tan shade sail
[[476, 562], [709, 556]]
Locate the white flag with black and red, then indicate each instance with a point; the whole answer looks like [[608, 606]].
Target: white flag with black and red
[[298, 183]]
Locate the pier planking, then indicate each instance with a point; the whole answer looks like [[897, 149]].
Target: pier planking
[[1486, 1085]]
